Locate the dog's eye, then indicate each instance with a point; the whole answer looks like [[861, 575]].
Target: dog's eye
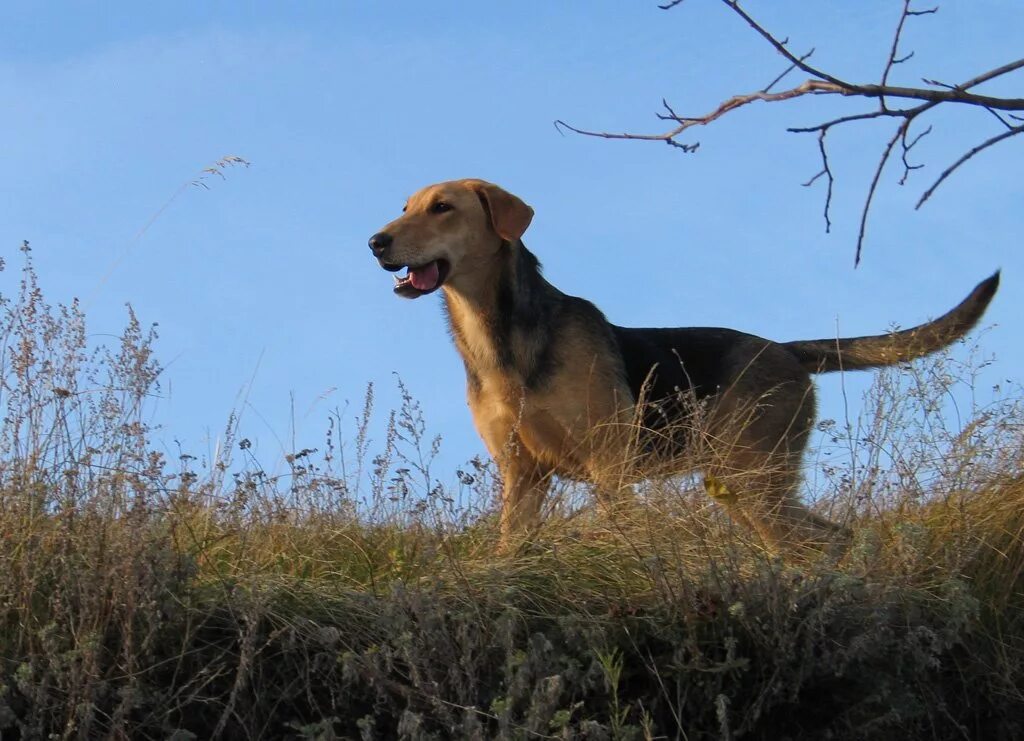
[[440, 207]]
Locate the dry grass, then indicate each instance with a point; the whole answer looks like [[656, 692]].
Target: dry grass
[[354, 597]]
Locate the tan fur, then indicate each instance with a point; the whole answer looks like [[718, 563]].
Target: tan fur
[[552, 397]]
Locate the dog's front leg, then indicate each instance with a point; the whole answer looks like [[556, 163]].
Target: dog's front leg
[[524, 481], [524, 486]]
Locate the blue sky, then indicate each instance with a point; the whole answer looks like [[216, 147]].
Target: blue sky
[[344, 109]]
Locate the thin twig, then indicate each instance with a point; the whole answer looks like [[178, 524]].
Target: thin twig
[[874, 186], [826, 170], [949, 170], [894, 50], [907, 167], [790, 68], [903, 113], [780, 47], [992, 74]]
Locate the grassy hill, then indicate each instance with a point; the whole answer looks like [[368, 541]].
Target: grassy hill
[[354, 597]]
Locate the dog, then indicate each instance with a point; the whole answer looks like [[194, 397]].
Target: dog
[[555, 389]]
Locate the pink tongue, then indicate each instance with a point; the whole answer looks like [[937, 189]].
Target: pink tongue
[[425, 278]]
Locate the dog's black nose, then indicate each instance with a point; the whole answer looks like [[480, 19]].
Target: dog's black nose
[[380, 242]]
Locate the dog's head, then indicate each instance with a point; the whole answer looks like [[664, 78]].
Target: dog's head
[[447, 233]]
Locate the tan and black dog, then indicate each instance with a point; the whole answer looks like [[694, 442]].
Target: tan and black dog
[[555, 389]]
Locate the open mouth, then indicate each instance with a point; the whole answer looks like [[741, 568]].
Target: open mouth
[[420, 280]]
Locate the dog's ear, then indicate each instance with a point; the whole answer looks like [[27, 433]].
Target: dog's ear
[[509, 216]]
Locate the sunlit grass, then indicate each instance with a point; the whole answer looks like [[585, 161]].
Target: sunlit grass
[[352, 596]]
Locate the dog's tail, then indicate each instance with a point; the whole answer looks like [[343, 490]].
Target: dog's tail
[[856, 353]]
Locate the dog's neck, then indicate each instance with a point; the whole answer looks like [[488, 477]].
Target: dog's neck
[[490, 316]]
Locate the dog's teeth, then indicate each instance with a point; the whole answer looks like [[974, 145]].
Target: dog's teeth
[[397, 280]]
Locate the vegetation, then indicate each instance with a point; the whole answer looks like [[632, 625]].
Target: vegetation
[[355, 597]]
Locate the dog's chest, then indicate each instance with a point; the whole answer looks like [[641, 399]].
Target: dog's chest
[[476, 345], [505, 411]]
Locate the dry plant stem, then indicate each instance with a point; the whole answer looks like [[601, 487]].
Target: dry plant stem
[[825, 83]]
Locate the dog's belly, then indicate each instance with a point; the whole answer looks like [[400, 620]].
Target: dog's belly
[[667, 428]]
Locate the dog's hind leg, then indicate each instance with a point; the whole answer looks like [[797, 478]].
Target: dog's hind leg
[[612, 461], [756, 439], [763, 496]]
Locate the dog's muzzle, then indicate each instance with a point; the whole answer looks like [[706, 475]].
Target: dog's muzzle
[[419, 280]]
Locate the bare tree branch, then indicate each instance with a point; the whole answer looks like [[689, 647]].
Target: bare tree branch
[[901, 131], [917, 101], [827, 172], [949, 170], [737, 101], [893, 61], [780, 46]]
